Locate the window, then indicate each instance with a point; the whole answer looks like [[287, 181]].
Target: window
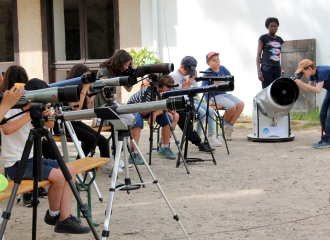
[[8, 34], [84, 32]]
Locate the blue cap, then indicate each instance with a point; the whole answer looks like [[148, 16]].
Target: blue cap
[[190, 64]]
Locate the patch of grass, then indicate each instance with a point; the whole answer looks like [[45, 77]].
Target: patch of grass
[[305, 116]]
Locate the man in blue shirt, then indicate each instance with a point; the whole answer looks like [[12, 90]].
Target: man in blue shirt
[[320, 75], [233, 105]]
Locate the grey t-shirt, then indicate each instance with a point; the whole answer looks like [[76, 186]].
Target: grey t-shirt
[[99, 100], [182, 80]]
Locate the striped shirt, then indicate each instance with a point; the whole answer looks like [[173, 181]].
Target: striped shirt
[[138, 96]]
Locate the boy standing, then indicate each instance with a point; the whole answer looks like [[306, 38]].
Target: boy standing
[[233, 105], [163, 85], [185, 77], [320, 75]]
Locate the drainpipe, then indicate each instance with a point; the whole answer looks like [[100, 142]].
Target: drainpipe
[[155, 26]]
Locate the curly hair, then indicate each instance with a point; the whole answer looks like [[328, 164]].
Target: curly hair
[[165, 80], [116, 62], [14, 74], [270, 20]]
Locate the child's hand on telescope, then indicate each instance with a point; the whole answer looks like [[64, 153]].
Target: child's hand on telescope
[[11, 97]]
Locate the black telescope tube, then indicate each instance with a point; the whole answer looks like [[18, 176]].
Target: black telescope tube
[[297, 76], [164, 68], [220, 87], [212, 78], [176, 103], [68, 94]]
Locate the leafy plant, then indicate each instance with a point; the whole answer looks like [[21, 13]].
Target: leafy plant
[[143, 56]]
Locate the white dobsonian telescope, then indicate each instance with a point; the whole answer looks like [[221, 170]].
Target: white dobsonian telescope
[[271, 112]]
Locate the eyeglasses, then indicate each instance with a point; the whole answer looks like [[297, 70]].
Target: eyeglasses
[[273, 26], [127, 64]]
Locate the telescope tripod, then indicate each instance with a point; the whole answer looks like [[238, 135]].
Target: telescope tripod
[[34, 138], [122, 143], [153, 89], [114, 141], [78, 147], [191, 114], [217, 114]]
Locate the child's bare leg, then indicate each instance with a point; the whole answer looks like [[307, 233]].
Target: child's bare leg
[[59, 193], [229, 113], [67, 195], [136, 132], [166, 134], [237, 113]]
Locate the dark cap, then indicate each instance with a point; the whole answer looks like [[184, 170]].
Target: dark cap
[[35, 84], [190, 64]]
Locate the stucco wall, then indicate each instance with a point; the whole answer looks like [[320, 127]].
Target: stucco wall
[[30, 40], [129, 33], [194, 27]]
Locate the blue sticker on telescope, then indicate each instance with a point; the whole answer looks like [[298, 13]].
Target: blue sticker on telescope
[[265, 131]]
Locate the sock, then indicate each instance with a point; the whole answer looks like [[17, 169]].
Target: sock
[[164, 146], [53, 214], [230, 126]]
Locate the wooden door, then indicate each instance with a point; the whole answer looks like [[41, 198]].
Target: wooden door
[[292, 53]]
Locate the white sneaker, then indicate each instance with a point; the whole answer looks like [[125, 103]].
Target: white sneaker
[[109, 167], [214, 141], [122, 164], [228, 132]]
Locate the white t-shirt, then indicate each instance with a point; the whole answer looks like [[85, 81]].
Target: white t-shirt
[[182, 80], [13, 144]]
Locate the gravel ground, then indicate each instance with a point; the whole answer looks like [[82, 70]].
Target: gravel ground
[[259, 191]]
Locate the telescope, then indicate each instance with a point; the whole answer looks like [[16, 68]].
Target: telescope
[[140, 71], [49, 95], [271, 111], [117, 81], [85, 79], [174, 103], [220, 87], [212, 78]]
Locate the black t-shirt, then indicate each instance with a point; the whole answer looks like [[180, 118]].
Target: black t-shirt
[[271, 50]]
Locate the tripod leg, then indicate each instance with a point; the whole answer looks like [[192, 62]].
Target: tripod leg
[[37, 176], [176, 217], [26, 152], [136, 166], [151, 137], [105, 232], [81, 155], [183, 139], [207, 142], [83, 207], [176, 142]]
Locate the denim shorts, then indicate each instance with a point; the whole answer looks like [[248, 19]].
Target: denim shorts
[[160, 119], [48, 165]]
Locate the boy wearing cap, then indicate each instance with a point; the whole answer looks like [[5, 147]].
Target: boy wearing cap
[[233, 105], [163, 85], [185, 77], [320, 75]]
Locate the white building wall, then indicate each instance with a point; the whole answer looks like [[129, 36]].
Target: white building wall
[[195, 27]]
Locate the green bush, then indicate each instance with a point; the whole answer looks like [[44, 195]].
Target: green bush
[[143, 56]]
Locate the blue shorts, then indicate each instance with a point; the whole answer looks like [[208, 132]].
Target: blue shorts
[[48, 165], [160, 119]]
